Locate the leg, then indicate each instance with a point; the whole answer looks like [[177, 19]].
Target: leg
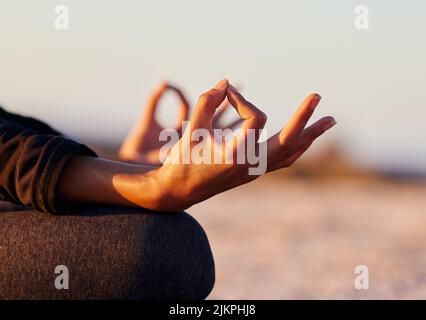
[[111, 253]]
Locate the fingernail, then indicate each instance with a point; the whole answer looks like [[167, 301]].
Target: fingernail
[[329, 125], [222, 83]]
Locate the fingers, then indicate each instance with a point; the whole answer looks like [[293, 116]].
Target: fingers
[[217, 119], [293, 137], [234, 124], [308, 136], [153, 100], [216, 124], [184, 106], [315, 130], [220, 112], [152, 104], [252, 117], [222, 108], [291, 130], [207, 105], [300, 118], [283, 155]]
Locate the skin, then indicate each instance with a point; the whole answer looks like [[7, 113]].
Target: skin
[[142, 144], [176, 187]]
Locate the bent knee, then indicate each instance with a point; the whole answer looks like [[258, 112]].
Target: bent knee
[[111, 253], [177, 259]]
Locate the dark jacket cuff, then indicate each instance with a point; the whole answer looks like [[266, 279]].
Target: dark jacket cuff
[[51, 165]]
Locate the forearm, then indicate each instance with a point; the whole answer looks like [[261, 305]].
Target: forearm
[[96, 180]]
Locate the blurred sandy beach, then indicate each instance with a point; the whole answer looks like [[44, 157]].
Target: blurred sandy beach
[[281, 238], [299, 233]]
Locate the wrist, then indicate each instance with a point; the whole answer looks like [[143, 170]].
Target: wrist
[[95, 180], [150, 190], [174, 189]]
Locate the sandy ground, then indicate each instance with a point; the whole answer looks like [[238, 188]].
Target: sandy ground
[[303, 239]]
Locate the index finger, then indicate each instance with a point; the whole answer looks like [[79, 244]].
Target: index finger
[[153, 100], [184, 106], [207, 105]]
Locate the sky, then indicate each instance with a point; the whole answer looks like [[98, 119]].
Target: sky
[[91, 80]]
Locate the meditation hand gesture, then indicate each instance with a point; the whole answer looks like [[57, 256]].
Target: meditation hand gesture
[[180, 183], [186, 184], [142, 144]]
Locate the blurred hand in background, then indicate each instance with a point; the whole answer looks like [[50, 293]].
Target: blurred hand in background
[[142, 144]]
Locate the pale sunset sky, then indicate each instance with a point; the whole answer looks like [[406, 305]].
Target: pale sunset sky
[[90, 81]]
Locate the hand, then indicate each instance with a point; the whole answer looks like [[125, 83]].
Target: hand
[[176, 186], [219, 115], [183, 185], [142, 145]]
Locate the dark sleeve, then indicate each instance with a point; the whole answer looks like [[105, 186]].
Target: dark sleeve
[[31, 164]]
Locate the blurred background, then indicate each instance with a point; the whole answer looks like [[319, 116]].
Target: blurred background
[[358, 197]]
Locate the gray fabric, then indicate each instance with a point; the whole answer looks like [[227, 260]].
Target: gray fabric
[[111, 253]]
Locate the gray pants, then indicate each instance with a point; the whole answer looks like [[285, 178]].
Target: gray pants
[[109, 253]]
